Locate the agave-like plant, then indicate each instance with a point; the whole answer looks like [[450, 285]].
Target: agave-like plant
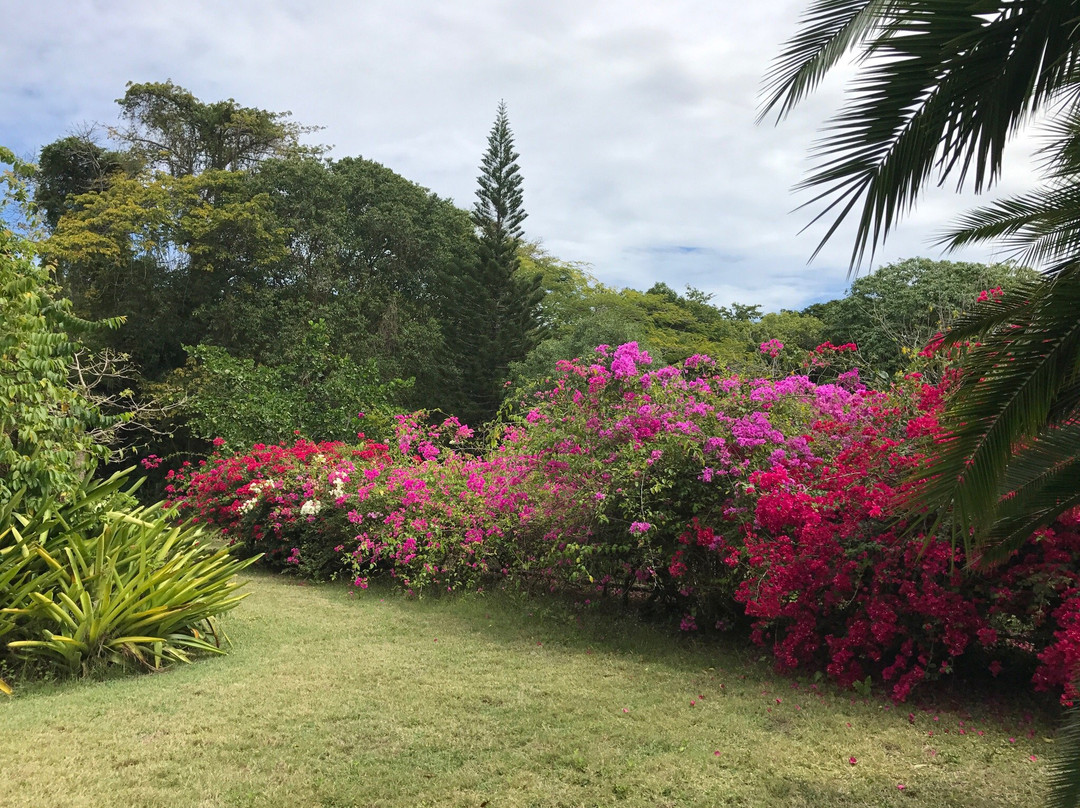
[[98, 586], [29, 541]]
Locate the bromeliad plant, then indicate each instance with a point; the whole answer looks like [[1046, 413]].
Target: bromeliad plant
[[30, 544], [93, 581]]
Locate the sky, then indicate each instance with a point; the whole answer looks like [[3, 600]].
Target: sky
[[635, 121]]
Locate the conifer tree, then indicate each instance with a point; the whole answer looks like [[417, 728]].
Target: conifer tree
[[495, 319]]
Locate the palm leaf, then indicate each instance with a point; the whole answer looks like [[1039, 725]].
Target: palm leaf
[[1065, 771], [1038, 228], [831, 28], [943, 86], [1040, 484], [1027, 363]]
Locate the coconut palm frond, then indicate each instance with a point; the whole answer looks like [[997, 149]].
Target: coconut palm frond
[[1028, 361], [830, 29], [1065, 771]]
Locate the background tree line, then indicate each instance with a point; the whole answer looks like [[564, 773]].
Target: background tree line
[[267, 288]]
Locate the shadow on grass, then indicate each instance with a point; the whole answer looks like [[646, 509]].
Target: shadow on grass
[[580, 623]]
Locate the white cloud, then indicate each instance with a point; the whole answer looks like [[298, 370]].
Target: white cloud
[[635, 122]]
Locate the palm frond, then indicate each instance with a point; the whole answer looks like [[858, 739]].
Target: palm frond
[[830, 29], [1041, 227], [1029, 359], [943, 86], [1040, 484], [1065, 770], [1037, 228]]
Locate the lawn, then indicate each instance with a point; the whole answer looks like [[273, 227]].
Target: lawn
[[330, 699]]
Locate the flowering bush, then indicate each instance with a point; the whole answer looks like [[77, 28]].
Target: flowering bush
[[717, 497], [283, 501]]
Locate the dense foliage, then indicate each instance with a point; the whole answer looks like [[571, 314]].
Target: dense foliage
[[220, 251], [892, 312], [50, 433], [718, 498], [87, 577]]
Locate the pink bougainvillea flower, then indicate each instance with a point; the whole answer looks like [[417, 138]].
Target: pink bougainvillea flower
[[852, 760]]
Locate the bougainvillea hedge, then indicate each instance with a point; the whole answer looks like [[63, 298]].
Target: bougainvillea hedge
[[721, 499]]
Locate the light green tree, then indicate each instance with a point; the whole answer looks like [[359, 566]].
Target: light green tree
[[51, 435], [894, 311]]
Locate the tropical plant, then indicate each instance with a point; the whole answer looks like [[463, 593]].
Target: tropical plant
[[89, 580], [316, 388], [49, 430], [942, 87]]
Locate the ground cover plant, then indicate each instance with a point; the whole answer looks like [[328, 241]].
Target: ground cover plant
[[382, 700], [719, 500]]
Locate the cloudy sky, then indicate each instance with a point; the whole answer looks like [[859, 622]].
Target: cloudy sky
[[634, 120]]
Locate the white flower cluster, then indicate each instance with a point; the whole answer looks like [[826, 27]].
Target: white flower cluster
[[311, 507], [255, 489], [258, 487]]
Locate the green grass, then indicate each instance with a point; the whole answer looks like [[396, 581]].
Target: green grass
[[375, 700]]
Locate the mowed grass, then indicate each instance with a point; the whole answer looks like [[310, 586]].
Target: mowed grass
[[329, 699]]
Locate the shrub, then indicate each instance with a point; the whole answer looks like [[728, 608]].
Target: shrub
[[265, 501], [712, 496], [83, 584], [50, 432]]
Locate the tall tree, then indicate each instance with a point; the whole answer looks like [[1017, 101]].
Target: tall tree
[[173, 131], [942, 85], [368, 252], [162, 230], [69, 167], [162, 251], [496, 313]]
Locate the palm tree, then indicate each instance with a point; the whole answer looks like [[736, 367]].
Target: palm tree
[[941, 87]]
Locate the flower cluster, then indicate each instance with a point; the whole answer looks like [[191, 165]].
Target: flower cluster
[[271, 499]]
